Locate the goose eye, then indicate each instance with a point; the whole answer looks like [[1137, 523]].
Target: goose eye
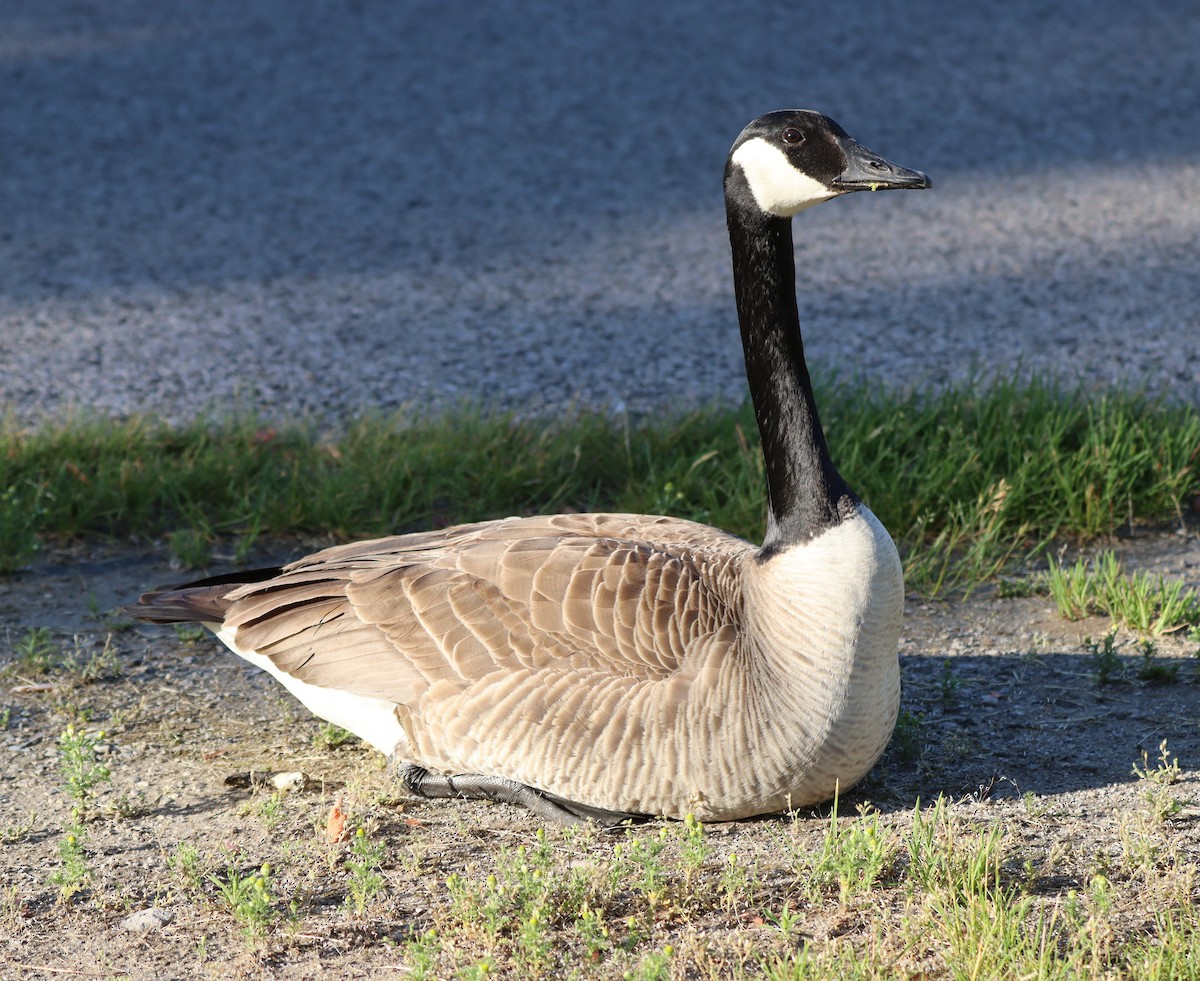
[[793, 136]]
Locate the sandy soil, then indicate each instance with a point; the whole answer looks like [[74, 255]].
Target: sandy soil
[[1000, 694]]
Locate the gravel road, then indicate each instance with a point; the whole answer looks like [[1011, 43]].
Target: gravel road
[[311, 207]]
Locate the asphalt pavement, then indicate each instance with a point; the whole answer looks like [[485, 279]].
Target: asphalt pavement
[[311, 208]]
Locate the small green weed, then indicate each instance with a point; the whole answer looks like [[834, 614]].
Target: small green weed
[[86, 664], [190, 867], [36, 653], [82, 773], [1154, 671], [909, 735], [82, 770], [534, 942], [1140, 833], [249, 899], [269, 808], [365, 881], [73, 873], [190, 633], [421, 955], [17, 831], [786, 921], [330, 736], [943, 854], [1073, 589], [654, 966], [125, 806], [947, 683], [1036, 807], [1166, 770], [694, 850], [191, 547], [593, 931], [645, 858], [1104, 657], [735, 883], [851, 857], [14, 907]]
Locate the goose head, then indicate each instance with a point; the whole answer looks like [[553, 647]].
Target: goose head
[[791, 159]]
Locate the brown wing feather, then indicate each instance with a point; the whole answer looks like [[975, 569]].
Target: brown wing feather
[[580, 594]]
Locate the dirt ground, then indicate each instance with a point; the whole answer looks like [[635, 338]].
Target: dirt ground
[[1000, 694]]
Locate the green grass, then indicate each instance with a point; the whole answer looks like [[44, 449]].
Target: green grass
[[1143, 602], [967, 479], [852, 857], [939, 894], [37, 653]]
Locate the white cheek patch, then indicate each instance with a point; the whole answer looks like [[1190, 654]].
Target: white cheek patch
[[778, 187]]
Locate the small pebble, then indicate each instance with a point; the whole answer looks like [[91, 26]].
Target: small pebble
[[287, 782], [145, 920]]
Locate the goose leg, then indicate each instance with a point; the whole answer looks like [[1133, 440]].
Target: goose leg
[[477, 786]]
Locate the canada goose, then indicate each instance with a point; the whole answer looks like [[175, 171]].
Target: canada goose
[[615, 665]]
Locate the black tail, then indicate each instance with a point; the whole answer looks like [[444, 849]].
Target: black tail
[[202, 601]]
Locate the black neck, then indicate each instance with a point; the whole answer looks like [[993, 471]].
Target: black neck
[[805, 493]]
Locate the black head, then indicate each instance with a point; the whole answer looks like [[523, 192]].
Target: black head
[[791, 159]]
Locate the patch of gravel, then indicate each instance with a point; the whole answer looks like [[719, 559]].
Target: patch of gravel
[[316, 207], [998, 693]]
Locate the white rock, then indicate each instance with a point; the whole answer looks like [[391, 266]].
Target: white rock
[[145, 920], [287, 782]]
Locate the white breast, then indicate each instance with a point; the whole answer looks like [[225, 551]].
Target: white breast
[[827, 615]]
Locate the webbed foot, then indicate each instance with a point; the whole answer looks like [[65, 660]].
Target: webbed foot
[[477, 786]]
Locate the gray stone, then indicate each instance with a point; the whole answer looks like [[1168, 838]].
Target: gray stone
[[146, 920]]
